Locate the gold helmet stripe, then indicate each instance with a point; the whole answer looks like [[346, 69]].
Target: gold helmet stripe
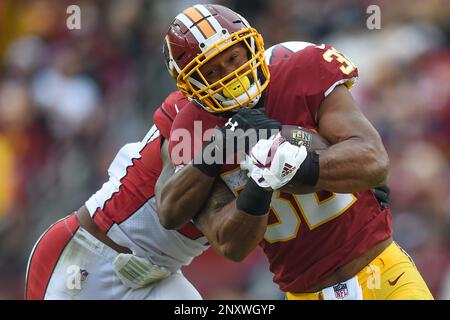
[[205, 12], [189, 24], [200, 21]]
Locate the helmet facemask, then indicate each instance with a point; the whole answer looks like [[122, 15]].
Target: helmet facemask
[[240, 88]]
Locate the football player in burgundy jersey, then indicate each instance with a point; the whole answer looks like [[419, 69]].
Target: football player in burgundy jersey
[[332, 241], [114, 246]]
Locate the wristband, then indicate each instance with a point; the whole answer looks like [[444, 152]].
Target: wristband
[[308, 173], [211, 170], [254, 199]]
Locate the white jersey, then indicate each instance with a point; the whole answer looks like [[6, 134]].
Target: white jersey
[[68, 262], [125, 207]]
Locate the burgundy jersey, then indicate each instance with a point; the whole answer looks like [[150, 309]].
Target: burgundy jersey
[[308, 236], [166, 113]]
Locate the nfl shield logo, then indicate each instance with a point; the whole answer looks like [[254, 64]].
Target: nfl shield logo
[[340, 290]]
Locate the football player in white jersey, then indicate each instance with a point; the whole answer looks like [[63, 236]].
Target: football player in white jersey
[[114, 246]]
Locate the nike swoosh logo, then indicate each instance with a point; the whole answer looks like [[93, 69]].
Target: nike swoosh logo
[[394, 282]]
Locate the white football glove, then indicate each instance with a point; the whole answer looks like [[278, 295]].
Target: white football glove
[[137, 272], [274, 162]]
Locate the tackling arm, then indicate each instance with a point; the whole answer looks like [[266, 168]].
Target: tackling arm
[[180, 196], [232, 232]]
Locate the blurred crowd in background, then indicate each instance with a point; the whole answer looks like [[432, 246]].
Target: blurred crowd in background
[[69, 99]]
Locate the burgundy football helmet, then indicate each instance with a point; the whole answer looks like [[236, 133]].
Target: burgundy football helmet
[[199, 34]]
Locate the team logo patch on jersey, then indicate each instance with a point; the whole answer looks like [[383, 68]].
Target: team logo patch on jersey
[[340, 290]]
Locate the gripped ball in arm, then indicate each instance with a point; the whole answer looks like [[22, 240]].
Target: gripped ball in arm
[[313, 142], [273, 162], [300, 136]]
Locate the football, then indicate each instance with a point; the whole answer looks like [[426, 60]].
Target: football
[[312, 141], [301, 136]]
